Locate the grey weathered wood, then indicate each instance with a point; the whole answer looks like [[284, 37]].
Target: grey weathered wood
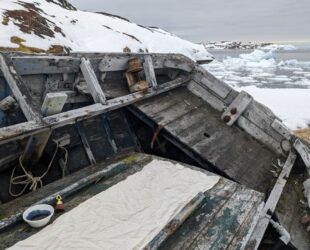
[[179, 64], [8, 103], [75, 97], [33, 65], [262, 117], [202, 92], [119, 62], [241, 102], [207, 80], [86, 146], [19, 90], [53, 104], [175, 222], [23, 130], [149, 71], [272, 201], [225, 224], [92, 81], [260, 135], [304, 152], [278, 126], [198, 127]]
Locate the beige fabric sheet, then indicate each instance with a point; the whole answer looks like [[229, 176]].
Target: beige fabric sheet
[[129, 214]]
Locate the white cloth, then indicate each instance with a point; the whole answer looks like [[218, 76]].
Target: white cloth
[[129, 214]]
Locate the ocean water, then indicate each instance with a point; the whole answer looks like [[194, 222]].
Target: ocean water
[[263, 68]]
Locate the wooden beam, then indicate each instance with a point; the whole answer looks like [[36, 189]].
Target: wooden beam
[[278, 126], [53, 104], [23, 130], [92, 81], [272, 201], [236, 108], [107, 128], [84, 140], [149, 71], [207, 80], [19, 90]]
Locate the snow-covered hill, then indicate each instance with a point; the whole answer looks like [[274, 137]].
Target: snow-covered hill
[[55, 26]]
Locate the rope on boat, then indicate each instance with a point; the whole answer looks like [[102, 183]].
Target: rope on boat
[[28, 179]]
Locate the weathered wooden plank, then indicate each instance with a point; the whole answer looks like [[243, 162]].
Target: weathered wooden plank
[[260, 135], [176, 63], [92, 81], [176, 222], [107, 128], [272, 201], [236, 108], [19, 90], [203, 93], [75, 97], [215, 199], [86, 146], [33, 65], [149, 71], [304, 152], [278, 126], [204, 133], [223, 227], [119, 62], [25, 129], [163, 102], [205, 79], [246, 229], [263, 118], [176, 110]]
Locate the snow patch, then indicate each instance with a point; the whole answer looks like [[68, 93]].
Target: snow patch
[[291, 105], [89, 32]]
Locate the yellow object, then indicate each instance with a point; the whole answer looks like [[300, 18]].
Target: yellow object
[[59, 200]]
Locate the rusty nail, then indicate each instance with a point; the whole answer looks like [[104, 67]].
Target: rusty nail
[[233, 111], [227, 118]]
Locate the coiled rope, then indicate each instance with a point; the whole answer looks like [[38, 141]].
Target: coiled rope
[[28, 179]]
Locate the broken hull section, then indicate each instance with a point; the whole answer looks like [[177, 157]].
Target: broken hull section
[[78, 111]]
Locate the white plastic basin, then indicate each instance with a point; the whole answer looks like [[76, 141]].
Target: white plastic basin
[[38, 215]]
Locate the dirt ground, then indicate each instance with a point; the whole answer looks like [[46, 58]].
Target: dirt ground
[[303, 133]]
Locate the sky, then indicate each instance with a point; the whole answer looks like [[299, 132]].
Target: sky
[[216, 20]]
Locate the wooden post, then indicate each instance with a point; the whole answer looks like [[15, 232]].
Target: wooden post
[[92, 81], [149, 71], [19, 90]]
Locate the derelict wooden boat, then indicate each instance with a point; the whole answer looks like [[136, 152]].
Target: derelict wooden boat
[[108, 115]]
